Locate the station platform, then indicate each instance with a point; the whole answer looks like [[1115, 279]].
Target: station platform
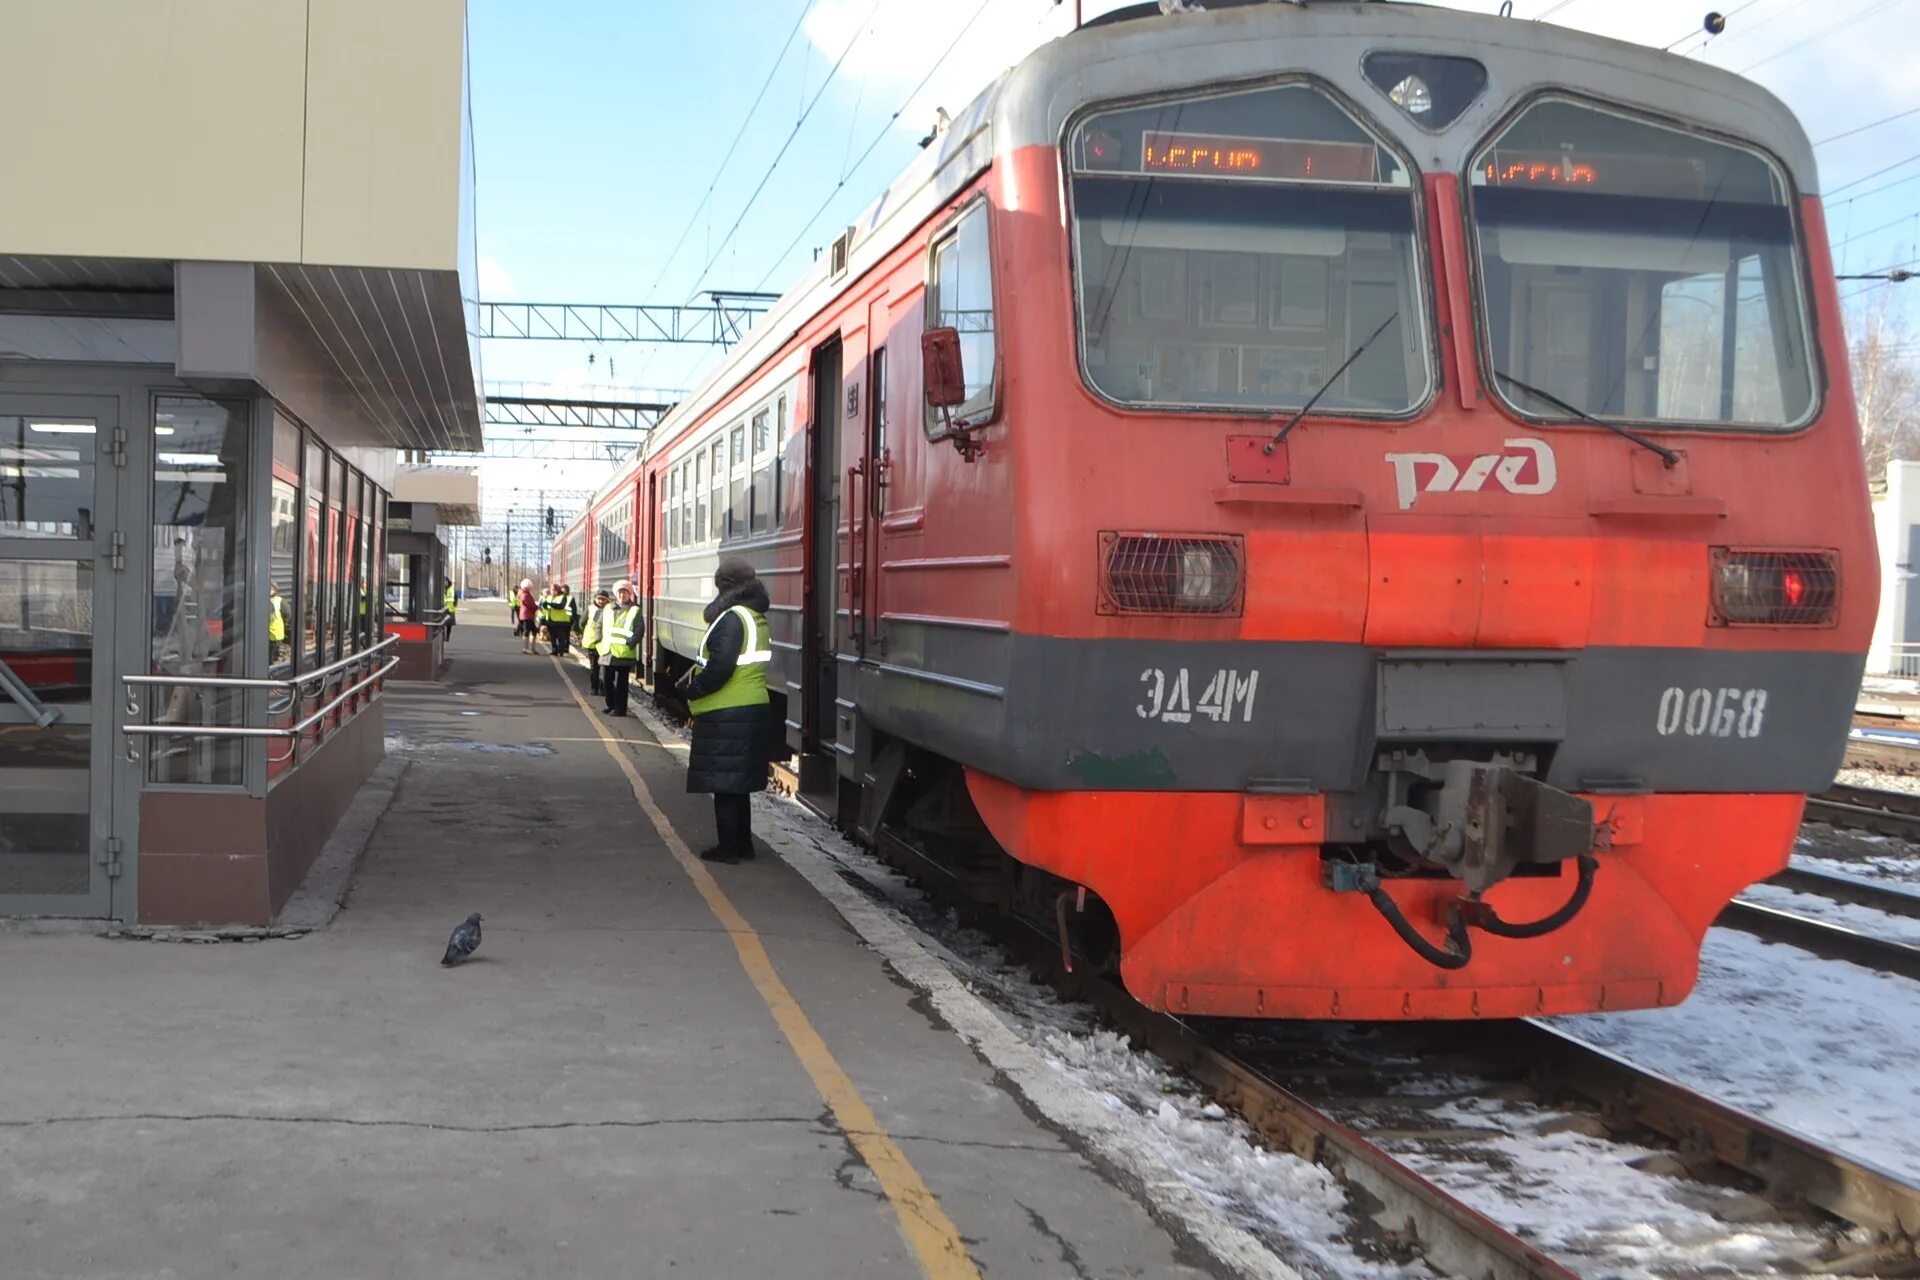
[[650, 1068]]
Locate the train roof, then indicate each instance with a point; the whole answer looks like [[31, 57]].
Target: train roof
[[1136, 54]]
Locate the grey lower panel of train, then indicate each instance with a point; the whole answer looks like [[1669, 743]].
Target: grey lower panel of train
[[1062, 714]]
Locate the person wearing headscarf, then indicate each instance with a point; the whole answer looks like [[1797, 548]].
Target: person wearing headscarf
[[726, 690], [619, 625], [529, 615], [590, 641]]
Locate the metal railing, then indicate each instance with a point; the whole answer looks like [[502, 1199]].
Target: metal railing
[[292, 687], [1894, 661]]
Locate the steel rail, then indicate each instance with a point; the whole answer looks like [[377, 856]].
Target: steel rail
[[1454, 1236], [1448, 1231], [1787, 1163], [1871, 819], [1871, 753], [1820, 938], [1895, 902]]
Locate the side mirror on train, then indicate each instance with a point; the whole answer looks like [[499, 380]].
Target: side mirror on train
[[940, 367], [943, 375]]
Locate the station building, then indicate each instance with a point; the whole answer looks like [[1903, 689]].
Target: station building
[[236, 281]]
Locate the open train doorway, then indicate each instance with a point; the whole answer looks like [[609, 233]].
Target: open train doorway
[[820, 653]]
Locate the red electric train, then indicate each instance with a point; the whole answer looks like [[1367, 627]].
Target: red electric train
[[1354, 510]]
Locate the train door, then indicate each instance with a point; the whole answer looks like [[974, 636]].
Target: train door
[[649, 528], [869, 500], [820, 656]]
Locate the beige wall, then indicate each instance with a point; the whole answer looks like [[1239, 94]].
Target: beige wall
[[310, 131]]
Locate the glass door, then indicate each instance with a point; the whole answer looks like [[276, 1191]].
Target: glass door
[[62, 459]]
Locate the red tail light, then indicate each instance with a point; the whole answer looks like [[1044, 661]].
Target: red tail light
[[1775, 588], [1156, 573]]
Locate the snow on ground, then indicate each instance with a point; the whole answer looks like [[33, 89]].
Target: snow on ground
[[1824, 1048], [1294, 1206], [1573, 1194], [1872, 858], [1579, 1198], [1873, 868], [1878, 924], [1880, 779]]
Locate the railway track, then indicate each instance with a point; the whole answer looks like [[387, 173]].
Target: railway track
[[1886, 813], [1292, 1095]]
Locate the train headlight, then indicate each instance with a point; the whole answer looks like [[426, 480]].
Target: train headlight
[[1775, 588], [1161, 573]]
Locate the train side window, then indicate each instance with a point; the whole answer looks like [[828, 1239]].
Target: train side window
[[737, 492], [700, 496], [673, 509], [779, 456], [686, 503], [717, 478], [960, 296], [760, 495]]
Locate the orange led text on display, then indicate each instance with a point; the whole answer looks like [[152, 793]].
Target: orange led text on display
[[1270, 158]]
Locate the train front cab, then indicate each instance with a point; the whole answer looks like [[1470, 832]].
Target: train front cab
[[1481, 689]]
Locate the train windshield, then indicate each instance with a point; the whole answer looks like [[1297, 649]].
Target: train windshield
[[1638, 272], [1231, 251]]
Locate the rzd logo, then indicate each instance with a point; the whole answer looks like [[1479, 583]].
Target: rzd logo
[[1447, 477]]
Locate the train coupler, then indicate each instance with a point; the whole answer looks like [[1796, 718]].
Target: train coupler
[[1482, 820]]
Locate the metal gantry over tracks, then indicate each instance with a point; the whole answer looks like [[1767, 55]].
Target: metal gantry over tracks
[[721, 321]]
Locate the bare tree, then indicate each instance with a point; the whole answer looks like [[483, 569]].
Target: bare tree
[[1886, 384]]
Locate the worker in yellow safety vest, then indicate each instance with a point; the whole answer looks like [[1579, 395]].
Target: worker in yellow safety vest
[[618, 622], [451, 603], [277, 649], [556, 610], [591, 643], [726, 691]]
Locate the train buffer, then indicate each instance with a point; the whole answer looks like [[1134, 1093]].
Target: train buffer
[[646, 1069]]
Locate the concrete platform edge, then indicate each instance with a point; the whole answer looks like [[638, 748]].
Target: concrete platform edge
[[1177, 1207], [328, 881]]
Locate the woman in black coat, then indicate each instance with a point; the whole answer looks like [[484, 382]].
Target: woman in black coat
[[729, 756]]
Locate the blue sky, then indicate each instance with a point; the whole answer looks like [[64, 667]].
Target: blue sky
[[599, 125]]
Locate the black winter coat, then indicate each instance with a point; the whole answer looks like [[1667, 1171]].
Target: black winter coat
[[729, 744]]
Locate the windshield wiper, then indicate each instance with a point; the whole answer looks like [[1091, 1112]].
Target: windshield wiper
[[1668, 456], [1280, 436]]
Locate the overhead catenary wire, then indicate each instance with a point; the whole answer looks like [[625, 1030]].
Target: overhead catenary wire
[[806, 7], [874, 144], [767, 177], [1874, 231], [1869, 194], [1871, 124], [1837, 27], [1897, 164]]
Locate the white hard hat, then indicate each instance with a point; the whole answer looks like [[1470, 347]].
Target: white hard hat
[[624, 585], [526, 582]]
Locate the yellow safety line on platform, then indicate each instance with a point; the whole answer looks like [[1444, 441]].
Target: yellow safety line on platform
[[935, 1239]]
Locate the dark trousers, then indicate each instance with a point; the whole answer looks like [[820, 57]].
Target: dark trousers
[[558, 633], [618, 669], [733, 822], [593, 670]]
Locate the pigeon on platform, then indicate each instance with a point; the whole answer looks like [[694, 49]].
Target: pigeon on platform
[[465, 940]]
